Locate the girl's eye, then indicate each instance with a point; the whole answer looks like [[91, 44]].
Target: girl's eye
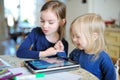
[[51, 22], [77, 36], [42, 21]]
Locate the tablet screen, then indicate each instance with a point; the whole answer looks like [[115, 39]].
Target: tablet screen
[[48, 63]]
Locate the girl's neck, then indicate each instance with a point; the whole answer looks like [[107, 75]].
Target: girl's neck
[[53, 38], [89, 52]]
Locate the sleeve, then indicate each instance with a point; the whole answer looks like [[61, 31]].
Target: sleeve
[[74, 55], [108, 69], [65, 53], [24, 49]]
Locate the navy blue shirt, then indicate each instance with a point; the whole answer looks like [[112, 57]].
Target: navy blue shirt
[[101, 66], [38, 42]]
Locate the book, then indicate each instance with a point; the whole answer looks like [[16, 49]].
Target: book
[[5, 73]]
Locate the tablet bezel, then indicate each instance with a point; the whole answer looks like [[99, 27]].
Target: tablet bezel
[[34, 70]]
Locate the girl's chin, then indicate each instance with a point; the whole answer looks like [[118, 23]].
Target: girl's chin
[[80, 48], [46, 33]]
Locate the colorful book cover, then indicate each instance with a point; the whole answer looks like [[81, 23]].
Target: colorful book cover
[[4, 73]]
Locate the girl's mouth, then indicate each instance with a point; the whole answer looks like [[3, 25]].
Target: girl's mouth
[[45, 31]]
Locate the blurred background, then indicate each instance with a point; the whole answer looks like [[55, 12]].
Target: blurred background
[[19, 17]]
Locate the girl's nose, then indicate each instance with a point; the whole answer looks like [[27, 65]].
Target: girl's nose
[[45, 25], [74, 39]]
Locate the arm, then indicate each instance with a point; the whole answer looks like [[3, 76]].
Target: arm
[[74, 55], [49, 52], [58, 49], [24, 49], [108, 69], [62, 49], [43, 51]]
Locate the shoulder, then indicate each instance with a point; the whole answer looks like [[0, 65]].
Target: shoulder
[[105, 59], [35, 33], [64, 41], [37, 29], [75, 52], [107, 66], [75, 55], [103, 55]]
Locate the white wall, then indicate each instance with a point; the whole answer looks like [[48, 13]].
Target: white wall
[[74, 8], [108, 9]]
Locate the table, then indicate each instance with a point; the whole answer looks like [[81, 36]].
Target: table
[[17, 62]]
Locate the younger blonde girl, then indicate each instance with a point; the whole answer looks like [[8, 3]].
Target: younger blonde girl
[[87, 33]]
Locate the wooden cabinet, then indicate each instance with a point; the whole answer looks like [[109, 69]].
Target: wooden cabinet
[[112, 37]]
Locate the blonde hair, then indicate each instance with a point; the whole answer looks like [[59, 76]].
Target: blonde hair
[[60, 10], [89, 24]]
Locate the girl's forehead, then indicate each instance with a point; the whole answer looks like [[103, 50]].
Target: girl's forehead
[[79, 28], [48, 14], [75, 30], [76, 27]]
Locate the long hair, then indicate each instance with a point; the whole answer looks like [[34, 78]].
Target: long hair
[[59, 9], [88, 24]]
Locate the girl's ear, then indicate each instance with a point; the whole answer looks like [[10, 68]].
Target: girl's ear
[[63, 21], [95, 36]]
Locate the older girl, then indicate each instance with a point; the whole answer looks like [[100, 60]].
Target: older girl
[[47, 40]]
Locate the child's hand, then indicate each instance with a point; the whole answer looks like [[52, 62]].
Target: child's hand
[[52, 50], [59, 46], [49, 52]]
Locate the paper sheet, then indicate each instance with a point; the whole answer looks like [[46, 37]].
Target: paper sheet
[[22, 70], [62, 76], [4, 64], [52, 76]]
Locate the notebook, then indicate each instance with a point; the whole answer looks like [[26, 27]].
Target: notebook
[[50, 64]]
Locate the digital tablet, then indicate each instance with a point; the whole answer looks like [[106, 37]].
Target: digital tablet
[[49, 64]]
